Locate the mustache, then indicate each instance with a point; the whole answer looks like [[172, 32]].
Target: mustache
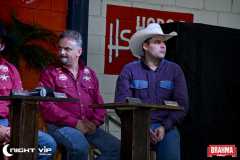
[[61, 56]]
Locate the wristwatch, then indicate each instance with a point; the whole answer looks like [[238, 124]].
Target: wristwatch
[[166, 128], [96, 124]]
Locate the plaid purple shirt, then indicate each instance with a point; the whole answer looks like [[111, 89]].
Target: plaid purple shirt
[[167, 82]]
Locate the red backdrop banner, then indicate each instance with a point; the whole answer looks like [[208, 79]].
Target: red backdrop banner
[[121, 23]]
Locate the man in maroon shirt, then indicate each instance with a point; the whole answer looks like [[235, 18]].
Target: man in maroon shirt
[[10, 79], [73, 124]]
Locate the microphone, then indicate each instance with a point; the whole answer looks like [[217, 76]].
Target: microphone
[[41, 91]]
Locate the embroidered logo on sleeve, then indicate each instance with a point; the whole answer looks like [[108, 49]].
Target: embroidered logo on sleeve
[[86, 71], [87, 78], [62, 77], [4, 77], [4, 68]]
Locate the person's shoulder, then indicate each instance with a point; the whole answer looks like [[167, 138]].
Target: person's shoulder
[[131, 67], [173, 64], [5, 65], [133, 64]]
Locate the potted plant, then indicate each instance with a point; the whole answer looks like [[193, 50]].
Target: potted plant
[[32, 38]]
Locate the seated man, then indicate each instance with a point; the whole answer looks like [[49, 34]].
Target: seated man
[[10, 79], [73, 124], [153, 80]]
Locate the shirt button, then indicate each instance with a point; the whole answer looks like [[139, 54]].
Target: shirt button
[[82, 116], [89, 87], [3, 87], [81, 105], [65, 86], [79, 93]]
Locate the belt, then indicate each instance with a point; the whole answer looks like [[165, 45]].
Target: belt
[[155, 121]]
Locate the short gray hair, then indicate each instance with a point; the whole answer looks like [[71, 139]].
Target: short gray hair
[[74, 35]]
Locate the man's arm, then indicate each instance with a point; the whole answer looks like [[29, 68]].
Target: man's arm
[[16, 83], [50, 111], [123, 88], [180, 95], [98, 113]]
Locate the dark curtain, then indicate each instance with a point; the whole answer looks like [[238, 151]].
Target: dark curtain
[[210, 59]]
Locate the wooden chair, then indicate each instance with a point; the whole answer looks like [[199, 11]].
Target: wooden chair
[[152, 154]]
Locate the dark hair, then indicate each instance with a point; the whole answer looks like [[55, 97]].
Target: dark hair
[[146, 41], [74, 35]]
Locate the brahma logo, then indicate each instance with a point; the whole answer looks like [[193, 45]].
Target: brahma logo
[[122, 23], [222, 150]]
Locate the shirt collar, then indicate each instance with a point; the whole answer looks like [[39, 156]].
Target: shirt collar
[[145, 66]]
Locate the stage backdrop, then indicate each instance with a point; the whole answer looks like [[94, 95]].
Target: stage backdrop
[[121, 23], [210, 59]]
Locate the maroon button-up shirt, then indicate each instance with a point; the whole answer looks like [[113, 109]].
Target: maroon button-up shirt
[[9, 79], [85, 88]]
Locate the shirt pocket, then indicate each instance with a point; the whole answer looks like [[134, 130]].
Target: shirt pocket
[[5, 88], [140, 89], [88, 91], [166, 84], [165, 90]]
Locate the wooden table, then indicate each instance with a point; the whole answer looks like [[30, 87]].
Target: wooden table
[[135, 127], [24, 122]]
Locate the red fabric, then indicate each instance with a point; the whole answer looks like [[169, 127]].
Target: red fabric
[[85, 88]]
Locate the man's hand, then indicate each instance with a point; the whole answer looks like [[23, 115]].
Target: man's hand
[[86, 127], [92, 128], [4, 134], [153, 137], [157, 135]]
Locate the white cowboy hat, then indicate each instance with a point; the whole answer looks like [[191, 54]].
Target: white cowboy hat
[[136, 41]]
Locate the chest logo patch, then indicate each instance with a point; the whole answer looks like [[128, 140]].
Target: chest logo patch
[[4, 77], [62, 77], [87, 78], [4, 68]]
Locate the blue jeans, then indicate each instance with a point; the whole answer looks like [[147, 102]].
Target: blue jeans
[[78, 144], [43, 140], [169, 147]]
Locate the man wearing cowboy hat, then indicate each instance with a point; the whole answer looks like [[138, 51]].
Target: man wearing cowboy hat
[[153, 79], [10, 79]]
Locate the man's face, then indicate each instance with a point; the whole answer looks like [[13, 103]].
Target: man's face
[[156, 48], [68, 53]]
